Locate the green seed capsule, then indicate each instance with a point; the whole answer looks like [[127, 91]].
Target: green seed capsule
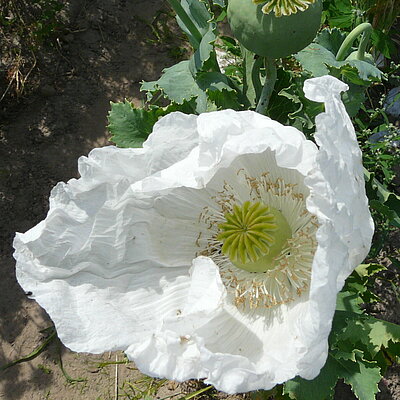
[[270, 36]]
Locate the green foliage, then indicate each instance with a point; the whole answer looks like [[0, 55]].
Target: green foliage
[[360, 374], [319, 60], [360, 346], [346, 14], [198, 78], [131, 126]]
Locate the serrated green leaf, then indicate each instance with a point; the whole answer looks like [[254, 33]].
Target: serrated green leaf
[[204, 52], [366, 270], [130, 126], [364, 382], [314, 59], [381, 332], [362, 376], [383, 43], [219, 90], [385, 210], [331, 39], [357, 71], [178, 85], [320, 61], [339, 13], [320, 388], [356, 331], [187, 107], [224, 99], [306, 110], [214, 81]]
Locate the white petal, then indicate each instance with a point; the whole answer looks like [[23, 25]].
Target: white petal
[[338, 199], [173, 350], [225, 135], [95, 260], [172, 139]]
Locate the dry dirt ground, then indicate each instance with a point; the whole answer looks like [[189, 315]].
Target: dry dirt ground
[[108, 47]]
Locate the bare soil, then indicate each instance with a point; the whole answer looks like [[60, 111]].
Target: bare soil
[[104, 50]]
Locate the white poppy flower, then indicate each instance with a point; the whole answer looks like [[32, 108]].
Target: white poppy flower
[[216, 251]]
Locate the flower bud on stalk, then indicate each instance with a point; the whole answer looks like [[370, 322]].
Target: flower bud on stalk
[[288, 27]]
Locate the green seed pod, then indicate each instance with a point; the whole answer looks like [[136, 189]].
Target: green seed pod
[[270, 36]]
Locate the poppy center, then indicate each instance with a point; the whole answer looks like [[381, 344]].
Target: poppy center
[[253, 235]]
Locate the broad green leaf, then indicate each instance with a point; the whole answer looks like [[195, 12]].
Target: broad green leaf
[[204, 52], [224, 99], [199, 15], [130, 126], [357, 72], [314, 59], [390, 214], [339, 13], [383, 43], [354, 98], [214, 81], [331, 39], [178, 85], [364, 382], [349, 301], [280, 106], [320, 61], [381, 332], [320, 388], [355, 331], [219, 90], [362, 376]]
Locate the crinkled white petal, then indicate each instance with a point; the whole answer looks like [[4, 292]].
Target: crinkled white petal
[[173, 350], [100, 277], [111, 262], [223, 136], [166, 145], [97, 257], [338, 199]]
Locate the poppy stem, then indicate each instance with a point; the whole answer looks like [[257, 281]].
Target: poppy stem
[[269, 84], [365, 29]]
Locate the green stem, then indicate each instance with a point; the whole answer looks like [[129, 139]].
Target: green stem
[[269, 84], [34, 353], [255, 77], [366, 29], [181, 13], [251, 80]]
